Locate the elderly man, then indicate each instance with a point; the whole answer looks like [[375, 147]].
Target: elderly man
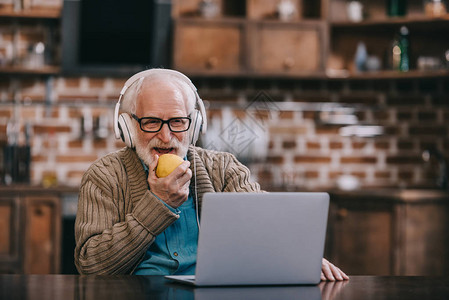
[[129, 221]]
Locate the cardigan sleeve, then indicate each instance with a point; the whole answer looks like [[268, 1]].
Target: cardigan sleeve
[[111, 239], [222, 172], [238, 177]]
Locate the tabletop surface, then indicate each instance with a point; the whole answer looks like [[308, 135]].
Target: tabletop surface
[[70, 287]]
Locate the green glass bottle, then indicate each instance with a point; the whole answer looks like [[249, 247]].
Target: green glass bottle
[[396, 8], [404, 44]]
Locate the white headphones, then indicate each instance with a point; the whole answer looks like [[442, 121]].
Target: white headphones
[[123, 126]]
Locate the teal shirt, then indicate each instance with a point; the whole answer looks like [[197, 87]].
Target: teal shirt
[[174, 250]]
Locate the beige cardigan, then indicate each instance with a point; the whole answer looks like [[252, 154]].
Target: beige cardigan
[[118, 218]]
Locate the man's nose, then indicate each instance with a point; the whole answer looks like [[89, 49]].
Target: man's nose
[[165, 134]]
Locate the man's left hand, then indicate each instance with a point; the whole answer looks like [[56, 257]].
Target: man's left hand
[[331, 272]]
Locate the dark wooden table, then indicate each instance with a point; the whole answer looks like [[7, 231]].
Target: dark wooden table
[[70, 287]]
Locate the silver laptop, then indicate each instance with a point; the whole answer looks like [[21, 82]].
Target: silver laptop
[[260, 239]]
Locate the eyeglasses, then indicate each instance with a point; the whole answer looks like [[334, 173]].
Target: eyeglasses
[[148, 124]]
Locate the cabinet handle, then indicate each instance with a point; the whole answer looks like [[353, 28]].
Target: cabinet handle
[[38, 211], [288, 63], [211, 62], [342, 213]]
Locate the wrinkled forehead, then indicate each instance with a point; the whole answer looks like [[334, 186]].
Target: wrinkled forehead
[[170, 85]]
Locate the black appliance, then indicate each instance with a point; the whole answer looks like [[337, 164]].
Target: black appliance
[[115, 37]]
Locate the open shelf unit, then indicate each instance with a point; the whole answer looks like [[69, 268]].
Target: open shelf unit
[[428, 39], [250, 39], [17, 23], [37, 13]]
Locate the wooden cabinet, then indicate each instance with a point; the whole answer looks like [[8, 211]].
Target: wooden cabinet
[[209, 46], [389, 232], [318, 39], [250, 38], [42, 234], [30, 231], [287, 47], [9, 235], [361, 237]]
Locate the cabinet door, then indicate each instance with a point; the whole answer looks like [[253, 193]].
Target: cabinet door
[[208, 46], [9, 235], [362, 238], [426, 240], [287, 48], [42, 226]]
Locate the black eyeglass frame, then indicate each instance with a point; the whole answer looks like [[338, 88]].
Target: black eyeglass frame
[[139, 120]]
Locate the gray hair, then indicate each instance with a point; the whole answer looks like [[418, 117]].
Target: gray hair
[[130, 97]]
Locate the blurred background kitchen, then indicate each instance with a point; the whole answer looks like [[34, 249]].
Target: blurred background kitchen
[[348, 97]]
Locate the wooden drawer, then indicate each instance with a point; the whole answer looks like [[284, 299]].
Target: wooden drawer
[[214, 47], [287, 47]]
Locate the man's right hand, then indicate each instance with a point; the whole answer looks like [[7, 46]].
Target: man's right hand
[[173, 189]]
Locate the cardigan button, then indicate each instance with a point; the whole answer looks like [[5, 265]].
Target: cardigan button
[[175, 253]]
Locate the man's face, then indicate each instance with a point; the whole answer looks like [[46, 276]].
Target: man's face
[[159, 99]]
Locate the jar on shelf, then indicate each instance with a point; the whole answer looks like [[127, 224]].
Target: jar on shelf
[[286, 10], [355, 11], [209, 9], [435, 8]]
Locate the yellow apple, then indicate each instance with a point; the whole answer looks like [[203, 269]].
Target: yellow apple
[[167, 163]]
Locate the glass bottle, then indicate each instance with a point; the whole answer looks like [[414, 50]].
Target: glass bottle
[[361, 56], [404, 44], [396, 8], [395, 54]]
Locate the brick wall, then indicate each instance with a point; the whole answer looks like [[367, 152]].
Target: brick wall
[[69, 132], [306, 150], [280, 128]]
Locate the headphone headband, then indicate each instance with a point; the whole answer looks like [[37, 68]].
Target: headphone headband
[[145, 73]]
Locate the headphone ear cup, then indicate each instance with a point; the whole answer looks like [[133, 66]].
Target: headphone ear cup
[[196, 124], [126, 129]]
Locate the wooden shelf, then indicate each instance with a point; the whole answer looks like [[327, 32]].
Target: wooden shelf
[[333, 75], [35, 13], [220, 19], [389, 74], [256, 75], [393, 21], [19, 70], [243, 20]]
